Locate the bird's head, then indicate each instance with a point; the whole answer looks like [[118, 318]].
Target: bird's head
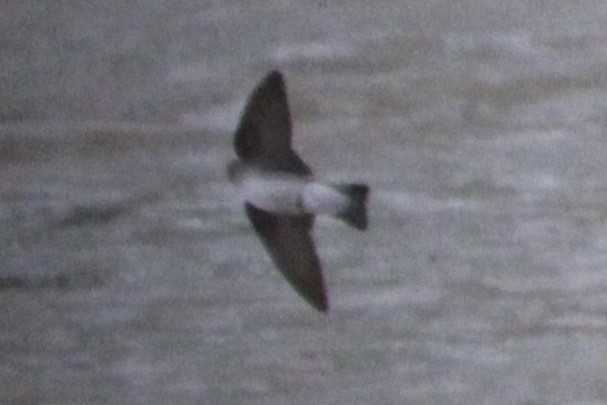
[[236, 170]]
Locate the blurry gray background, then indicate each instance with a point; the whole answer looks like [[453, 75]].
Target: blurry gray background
[[130, 275]]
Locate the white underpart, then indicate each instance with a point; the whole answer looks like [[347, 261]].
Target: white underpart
[[292, 196], [321, 199]]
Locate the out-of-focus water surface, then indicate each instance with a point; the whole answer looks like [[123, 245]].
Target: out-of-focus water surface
[[130, 275]]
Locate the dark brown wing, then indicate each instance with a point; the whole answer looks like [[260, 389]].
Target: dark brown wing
[[288, 240], [263, 135]]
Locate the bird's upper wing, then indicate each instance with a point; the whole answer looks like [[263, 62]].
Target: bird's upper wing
[[288, 240], [263, 135]]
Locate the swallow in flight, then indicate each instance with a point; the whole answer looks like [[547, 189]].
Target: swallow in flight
[[280, 193]]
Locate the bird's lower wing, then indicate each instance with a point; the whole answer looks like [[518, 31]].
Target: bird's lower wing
[[288, 240]]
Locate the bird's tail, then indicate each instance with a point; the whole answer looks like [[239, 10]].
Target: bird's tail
[[355, 213]]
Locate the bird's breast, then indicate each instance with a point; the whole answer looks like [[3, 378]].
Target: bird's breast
[[274, 194]]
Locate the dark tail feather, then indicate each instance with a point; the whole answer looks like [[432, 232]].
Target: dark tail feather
[[355, 214]]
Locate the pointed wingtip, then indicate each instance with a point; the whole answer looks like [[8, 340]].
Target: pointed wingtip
[[321, 306], [316, 295], [274, 79], [317, 298], [274, 74]]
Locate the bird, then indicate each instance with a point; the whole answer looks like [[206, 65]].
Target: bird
[[281, 195]]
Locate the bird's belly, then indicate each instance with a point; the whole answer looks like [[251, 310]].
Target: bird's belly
[[274, 195], [322, 199]]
